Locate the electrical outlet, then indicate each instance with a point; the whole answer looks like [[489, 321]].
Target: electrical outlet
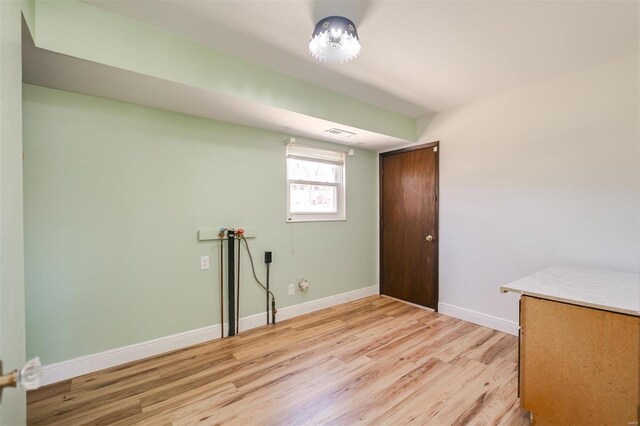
[[204, 262], [292, 289]]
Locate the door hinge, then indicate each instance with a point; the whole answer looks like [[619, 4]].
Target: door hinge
[[381, 223]]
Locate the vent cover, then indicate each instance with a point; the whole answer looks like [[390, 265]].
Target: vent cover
[[340, 132]]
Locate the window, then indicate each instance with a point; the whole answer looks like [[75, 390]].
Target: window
[[315, 184]]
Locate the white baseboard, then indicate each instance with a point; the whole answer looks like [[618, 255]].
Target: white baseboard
[[475, 317], [64, 370]]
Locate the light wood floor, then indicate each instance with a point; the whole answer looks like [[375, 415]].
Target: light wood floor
[[374, 361]]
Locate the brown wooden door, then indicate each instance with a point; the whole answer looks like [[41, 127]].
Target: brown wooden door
[[409, 224]]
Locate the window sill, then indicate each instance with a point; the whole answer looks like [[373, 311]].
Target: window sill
[[316, 220]]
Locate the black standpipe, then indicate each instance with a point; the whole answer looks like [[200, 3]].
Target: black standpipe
[[221, 235], [231, 269], [238, 293], [267, 261]]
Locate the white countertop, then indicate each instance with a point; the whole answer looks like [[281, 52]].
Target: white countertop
[[594, 288]]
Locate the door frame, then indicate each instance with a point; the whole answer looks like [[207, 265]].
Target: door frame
[[434, 144]]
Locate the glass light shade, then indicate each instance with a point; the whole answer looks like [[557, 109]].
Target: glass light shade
[[335, 39]]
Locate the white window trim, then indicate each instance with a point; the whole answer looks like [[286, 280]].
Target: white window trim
[[324, 156]]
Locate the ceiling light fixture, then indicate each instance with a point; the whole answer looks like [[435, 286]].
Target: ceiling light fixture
[[335, 39]]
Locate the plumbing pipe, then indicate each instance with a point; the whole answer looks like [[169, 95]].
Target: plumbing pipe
[[221, 236], [238, 233], [231, 265], [267, 261], [267, 294]]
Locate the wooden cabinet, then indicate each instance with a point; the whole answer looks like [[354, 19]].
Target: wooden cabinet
[[578, 365]]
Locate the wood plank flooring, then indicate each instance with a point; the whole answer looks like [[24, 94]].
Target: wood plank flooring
[[371, 361]]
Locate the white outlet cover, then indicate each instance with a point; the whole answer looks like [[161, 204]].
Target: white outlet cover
[[292, 289], [204, 262]]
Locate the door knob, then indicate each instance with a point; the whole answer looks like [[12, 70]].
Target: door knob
[[28, 376], [429, 238]]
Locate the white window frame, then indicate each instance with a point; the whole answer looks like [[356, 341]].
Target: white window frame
[[307, 153]]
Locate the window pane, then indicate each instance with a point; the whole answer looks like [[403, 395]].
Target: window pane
[[310, 170], [312, 198]]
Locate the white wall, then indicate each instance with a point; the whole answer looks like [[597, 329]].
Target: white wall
[[546, 174]]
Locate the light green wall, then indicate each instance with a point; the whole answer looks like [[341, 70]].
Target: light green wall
[[87, 32], [12, 323], [114, 196]]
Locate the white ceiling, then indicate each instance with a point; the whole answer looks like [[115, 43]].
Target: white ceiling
[[418, 57]]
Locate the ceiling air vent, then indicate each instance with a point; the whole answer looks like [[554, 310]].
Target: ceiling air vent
[[340, 132]]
